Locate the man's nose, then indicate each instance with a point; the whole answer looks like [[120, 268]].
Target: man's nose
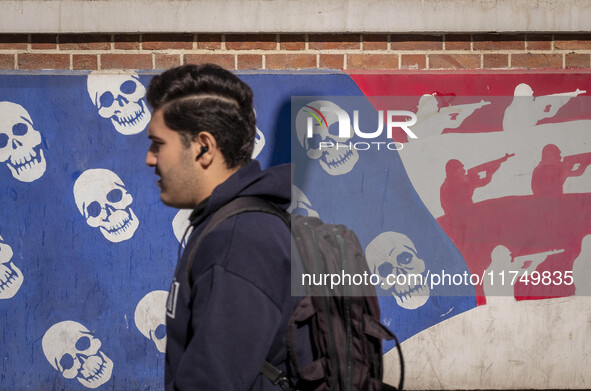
[[150, 159]]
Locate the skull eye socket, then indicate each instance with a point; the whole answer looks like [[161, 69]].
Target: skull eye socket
[[314, 141], [115, 195], [66, 362], [106, 99], [3, 140], [385, 269], [128, 87], [160, 331], [334, 129], [83, 343], [404, 258], [299, 211], [94, 209], [20, 129]]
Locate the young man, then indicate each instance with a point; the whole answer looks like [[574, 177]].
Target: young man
[[232, 316]]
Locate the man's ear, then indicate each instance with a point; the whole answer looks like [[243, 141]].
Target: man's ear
[[204, 148]]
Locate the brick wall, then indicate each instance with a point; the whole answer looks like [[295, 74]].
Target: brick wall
[[296, 51]]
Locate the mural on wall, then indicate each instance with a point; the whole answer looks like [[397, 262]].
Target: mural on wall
[[20, 144], [76, 353], [481, 189], [120, 98], [511, 185], [11, 278], [150, 318], [104, 202]]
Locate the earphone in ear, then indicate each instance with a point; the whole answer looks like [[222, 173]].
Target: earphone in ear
[[203, 150]]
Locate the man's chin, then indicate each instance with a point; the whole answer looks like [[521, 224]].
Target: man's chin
[[177, 204]]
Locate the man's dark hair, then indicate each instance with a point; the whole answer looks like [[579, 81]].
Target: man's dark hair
[[197, 98]]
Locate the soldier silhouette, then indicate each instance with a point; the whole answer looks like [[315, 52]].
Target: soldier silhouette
[[553, 170], [458, 187]]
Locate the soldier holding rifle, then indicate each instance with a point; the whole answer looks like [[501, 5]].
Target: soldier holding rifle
[[458, 188]]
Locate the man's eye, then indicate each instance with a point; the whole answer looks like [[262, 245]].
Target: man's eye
[[155, 146]]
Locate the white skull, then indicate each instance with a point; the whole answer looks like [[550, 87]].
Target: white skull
[[300, 203], [180, 223], [150, 318], [120, 97], [74, 351], [336, 160], [11, 277], [104, 202], [20, 143], [394, 254]]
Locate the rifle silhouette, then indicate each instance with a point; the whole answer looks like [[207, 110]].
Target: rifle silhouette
[[490, 167], [535, 259], [463, 110], [582, 159]]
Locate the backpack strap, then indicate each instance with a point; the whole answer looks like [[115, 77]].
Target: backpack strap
[[276, 376], [234, 207]]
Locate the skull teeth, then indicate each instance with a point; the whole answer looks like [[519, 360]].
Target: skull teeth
[[413, 298], [11, 279], [7, 276], [121, 226], [130, 120], [342, 159], [124, 227], [25, 163], [93, 368]]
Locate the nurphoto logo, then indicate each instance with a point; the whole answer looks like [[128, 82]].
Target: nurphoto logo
[[322, 116]]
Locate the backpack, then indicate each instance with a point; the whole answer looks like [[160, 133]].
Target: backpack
[[344, 323]]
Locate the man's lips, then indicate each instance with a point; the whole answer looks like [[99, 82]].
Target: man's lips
[[159, 182]]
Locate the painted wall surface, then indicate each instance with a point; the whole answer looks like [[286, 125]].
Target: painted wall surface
[[87, 250]]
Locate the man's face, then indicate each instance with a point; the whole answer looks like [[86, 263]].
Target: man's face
[[174, 163]]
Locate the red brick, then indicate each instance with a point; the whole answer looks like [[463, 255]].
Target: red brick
[[454, 61], [250, 61], [43, 41], [6, 61], [334, 41], [167, 41], [372, 61], [43, 61], [413, 61], [13, 41], [539, 42], [375, 41], [87, 62], [290, 61], [495, 60], [458, 42], [126, 61], [572, 41], [332, 61], [416, 42], [165, 61], [251, 41], [292, 42], [529, 60], [209, 41], [84, 42], [127, 41], [223, 60], [576, 60], [499, 42]]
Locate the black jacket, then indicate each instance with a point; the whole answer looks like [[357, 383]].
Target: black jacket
[[234, 317]]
